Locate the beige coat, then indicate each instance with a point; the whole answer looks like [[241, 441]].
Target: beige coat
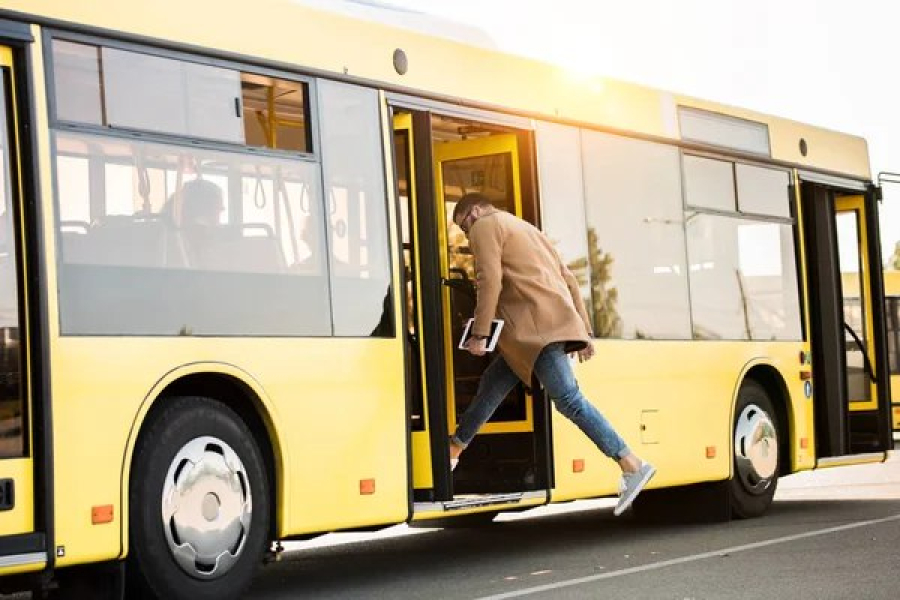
[[522, 280]]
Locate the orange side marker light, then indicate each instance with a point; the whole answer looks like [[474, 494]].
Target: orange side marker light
[[578, 465], [710, 452], [101, 514], [366, 487]]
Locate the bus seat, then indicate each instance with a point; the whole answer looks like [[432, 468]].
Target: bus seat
[[224, 251], [124, 240], [259, 255], [75, 247]]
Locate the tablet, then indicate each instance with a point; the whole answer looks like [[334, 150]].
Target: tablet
[[496, 326]]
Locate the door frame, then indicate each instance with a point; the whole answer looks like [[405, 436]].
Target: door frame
[[856, 205], [429, 263], [30, 551], [834, 421]]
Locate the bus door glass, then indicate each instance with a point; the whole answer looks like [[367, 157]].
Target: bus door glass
[[16, 467], [858, 327]]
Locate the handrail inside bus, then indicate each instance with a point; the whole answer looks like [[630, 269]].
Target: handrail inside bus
[[862, 349]]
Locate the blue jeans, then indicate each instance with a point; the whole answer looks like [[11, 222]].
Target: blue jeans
[[553, 370]]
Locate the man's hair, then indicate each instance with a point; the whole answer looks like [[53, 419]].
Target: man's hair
[[469, 201], [201, 199]]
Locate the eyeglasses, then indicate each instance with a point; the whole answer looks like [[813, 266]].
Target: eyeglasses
[[466, 222]]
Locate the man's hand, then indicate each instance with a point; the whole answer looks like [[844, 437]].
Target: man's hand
[[478, 347], [586, 353]]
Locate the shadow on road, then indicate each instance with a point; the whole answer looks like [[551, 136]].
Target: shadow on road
[[432, 561]]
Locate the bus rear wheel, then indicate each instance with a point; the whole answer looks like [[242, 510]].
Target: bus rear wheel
[[199, 504], [756, 452]]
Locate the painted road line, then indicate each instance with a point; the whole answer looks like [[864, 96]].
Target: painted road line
[[685, 559]]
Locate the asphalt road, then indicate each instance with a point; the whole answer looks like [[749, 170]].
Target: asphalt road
[[833, 534]]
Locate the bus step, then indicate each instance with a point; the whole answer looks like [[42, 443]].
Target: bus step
[[470, 501], [476, 500]]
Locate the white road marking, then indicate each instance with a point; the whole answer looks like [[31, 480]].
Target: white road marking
[[685, 559]]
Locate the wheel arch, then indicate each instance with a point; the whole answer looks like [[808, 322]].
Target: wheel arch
[[771, 380], [235, 389]]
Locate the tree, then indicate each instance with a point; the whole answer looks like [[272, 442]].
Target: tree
[[604, 297], [893, 263]]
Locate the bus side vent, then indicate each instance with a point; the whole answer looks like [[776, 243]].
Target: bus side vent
[[7, 494]]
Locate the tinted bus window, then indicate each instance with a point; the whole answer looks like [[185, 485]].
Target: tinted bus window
[[162, 239], [353, 166]]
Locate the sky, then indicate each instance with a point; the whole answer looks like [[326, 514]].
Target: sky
[[830, 63]]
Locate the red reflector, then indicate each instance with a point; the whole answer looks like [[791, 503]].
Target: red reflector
[[366, 487], [101, 514], [578, 465], [805, 375]]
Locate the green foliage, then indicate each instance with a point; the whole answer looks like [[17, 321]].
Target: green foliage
[[893, 263], [604, 296], [459, 257]]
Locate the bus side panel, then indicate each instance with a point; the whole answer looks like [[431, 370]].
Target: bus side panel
[[338, 402], [343, 407], [671, 402]]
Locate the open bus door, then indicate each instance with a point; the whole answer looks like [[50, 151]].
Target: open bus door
[[22, 547], [437, 160], [892, 318], [487, 164], [849, 357]]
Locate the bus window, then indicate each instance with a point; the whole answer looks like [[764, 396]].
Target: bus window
[[353, 166], [132, 264], [275, 113], [635, 249], [858, 381], [133, 90]]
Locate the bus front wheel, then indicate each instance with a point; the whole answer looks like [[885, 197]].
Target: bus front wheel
[[199, 504], [756, 455]]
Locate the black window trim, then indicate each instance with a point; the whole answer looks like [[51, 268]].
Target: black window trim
[[734, 161]]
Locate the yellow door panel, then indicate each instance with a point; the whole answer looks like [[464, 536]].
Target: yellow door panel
[[858, 323], [490, 166], [21, 518], [496, 180], [406, 181]]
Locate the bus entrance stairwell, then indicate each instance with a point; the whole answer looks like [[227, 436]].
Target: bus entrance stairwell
[[847, 322], [475, 157]]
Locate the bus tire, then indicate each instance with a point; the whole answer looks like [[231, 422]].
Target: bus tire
[[756, 452], [195, 464]]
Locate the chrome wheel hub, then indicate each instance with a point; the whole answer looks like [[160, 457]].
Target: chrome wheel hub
[[206, 507], [755, 449]]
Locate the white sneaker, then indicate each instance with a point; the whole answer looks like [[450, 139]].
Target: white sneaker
[[631, 486]]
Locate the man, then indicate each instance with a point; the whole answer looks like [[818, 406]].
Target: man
[[522, 280]]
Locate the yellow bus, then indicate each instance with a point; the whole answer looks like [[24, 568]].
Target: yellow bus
[[231, 290], [892, 321]]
